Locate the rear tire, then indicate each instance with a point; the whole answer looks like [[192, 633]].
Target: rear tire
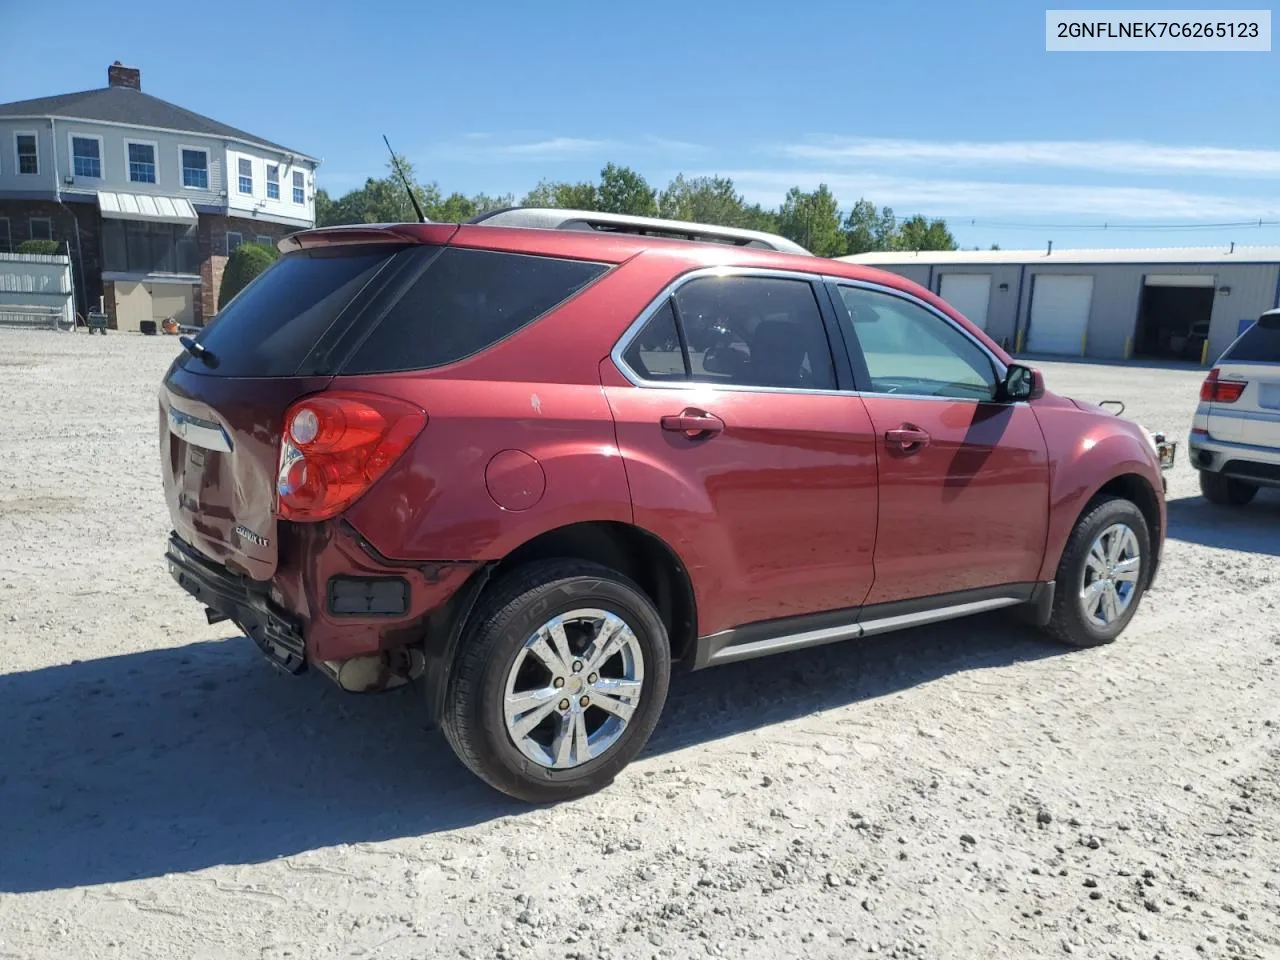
[[510, 673], [1098, 587], [1226, 491]]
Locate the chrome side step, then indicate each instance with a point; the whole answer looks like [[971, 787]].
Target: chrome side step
[[733, 652]]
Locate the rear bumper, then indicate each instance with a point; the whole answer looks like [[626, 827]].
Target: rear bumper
[[1243, 461], [246, 602], [303, 613]]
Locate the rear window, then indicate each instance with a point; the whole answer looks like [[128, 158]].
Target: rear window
[[1257, 345], [275, 322], [464, 301]]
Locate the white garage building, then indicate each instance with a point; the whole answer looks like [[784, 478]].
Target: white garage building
[[1106, 304]]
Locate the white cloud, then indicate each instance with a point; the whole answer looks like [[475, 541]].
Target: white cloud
[[555, 147], [1104, 155], [979, 199], [486, 147]]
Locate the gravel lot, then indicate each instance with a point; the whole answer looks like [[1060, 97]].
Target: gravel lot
[[954, 792]]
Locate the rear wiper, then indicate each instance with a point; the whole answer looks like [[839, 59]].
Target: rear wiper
[[198, 351]]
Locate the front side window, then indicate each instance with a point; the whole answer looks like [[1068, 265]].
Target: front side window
[[142, 162], [195, 169], [299, 187], [912, 351], [245, 167], [86, 157], [273, 182], [739, 331], [28, 154]]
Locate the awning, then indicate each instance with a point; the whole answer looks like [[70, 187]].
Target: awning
[[145, 206]]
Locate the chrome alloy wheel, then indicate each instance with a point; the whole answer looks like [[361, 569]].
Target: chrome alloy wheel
[[573, 688], [1109, 581]]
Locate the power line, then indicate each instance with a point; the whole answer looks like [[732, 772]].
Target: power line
[[954, 221]]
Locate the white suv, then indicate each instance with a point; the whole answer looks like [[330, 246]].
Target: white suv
[[1235, 436]]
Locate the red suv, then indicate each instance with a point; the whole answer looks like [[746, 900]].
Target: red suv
[[534, 463]]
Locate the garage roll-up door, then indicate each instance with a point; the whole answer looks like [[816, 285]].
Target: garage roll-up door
[[970, 293], [1059, 314]]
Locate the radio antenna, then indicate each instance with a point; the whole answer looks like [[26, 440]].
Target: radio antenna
[[395, 162]]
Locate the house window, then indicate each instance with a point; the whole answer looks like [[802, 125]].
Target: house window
[[233, 240], [273, 182], [6, 238], [41, 228], [142, 161], [139, 247], [265, 240], [246, 176], [299, 187], [86, 157], [195, 168], [28, 156]]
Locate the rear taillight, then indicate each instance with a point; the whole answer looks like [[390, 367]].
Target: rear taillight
[[1221, 391], [335, 446]]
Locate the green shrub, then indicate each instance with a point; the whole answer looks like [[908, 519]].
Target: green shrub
[[246, 262], [46, 247]]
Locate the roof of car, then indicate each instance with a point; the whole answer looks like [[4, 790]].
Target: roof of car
[[557, 219]]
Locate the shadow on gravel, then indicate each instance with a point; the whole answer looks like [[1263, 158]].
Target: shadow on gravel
[[1251, 529], [175, 760]]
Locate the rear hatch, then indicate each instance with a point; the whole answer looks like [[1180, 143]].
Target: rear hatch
[[1254, 416], [344, 302], [220, 420]]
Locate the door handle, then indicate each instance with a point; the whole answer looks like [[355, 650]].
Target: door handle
[[907, 438], [692, 423]]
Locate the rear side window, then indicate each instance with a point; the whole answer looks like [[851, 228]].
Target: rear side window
[[270, 327], [464, 301], [1257, 345], [740, 331]]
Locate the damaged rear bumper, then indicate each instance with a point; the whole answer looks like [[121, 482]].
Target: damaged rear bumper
[[243, 600]]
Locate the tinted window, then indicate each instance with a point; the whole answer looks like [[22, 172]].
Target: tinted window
[[755, 331], [655, 352], [268, 329], [1257, 345], [911, 350], [465, 301]]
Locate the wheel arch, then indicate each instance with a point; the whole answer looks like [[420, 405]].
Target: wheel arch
[[632, 551], [1137, 490]]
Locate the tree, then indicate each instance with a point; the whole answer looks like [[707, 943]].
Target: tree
[[622, 190], [918, 233], [813, 221], [45, 247], [245, 263], [713, 200], [862, 228], [562, 196]]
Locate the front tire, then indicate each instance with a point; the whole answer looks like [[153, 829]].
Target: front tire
[[1104, 570], [1226, 491], [559, 682]]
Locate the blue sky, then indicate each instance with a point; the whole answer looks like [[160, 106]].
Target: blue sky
[[946, 109]]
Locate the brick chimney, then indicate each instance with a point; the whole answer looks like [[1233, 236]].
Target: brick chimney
[[118, 75]]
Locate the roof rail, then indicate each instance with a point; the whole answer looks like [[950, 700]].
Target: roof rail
[[550, 218]]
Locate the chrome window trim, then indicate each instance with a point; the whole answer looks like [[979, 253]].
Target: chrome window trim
[[633, 329], [658, 302]]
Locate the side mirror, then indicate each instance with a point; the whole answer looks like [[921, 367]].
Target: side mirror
[[1021, 383], [1269, 321]]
